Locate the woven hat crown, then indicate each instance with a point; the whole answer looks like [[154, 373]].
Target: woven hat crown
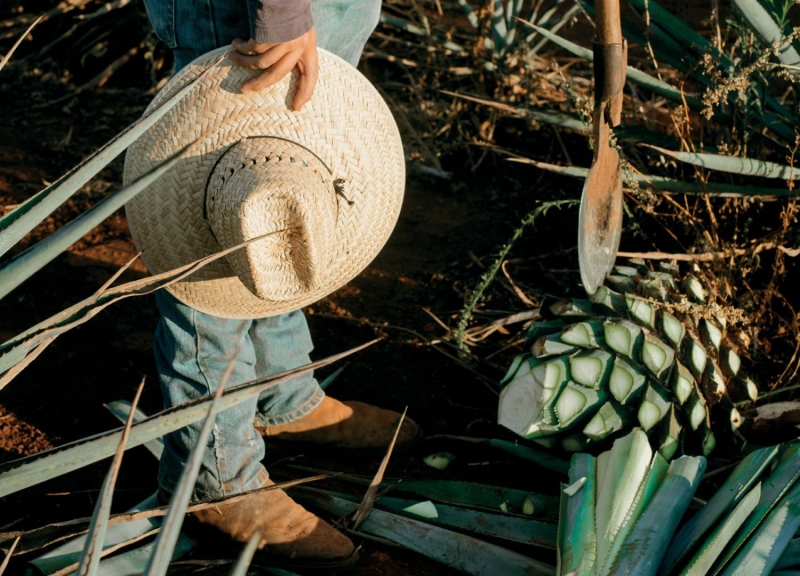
[[279, 191], [317, 191]]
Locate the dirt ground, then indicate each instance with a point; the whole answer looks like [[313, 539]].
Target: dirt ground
[[444, 233]]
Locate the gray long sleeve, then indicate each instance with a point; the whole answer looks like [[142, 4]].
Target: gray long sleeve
[[280, 21]]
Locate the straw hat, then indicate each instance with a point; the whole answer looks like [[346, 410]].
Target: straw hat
[[325, 183]]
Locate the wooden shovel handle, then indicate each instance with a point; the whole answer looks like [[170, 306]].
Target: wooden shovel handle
[[607, 20]]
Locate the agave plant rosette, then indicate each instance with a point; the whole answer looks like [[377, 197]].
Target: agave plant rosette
[[644, 352]]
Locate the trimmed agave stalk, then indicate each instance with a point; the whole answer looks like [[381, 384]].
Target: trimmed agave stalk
[[620, 359]]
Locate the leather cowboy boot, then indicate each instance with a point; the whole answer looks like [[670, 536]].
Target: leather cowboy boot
[[290, 536], [350, 425]]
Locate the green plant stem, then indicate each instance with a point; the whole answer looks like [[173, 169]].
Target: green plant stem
[[477, 294]]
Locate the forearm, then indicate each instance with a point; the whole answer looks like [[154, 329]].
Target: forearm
[[279, 21]]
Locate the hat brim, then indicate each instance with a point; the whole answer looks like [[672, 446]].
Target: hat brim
[[346, 124]]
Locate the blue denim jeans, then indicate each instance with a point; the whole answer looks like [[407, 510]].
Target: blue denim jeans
[[193, 349]]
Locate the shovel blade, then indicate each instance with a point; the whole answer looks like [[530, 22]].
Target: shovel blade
[[600, 218]]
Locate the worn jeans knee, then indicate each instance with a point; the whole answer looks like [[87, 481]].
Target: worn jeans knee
[[192, 352]]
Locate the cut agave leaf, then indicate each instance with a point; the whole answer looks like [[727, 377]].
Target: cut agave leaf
[[641, 311], [780, 480], [694, 356], [713, 546], [762, 551], [621, 283], [458, 551], [551, 345], [577, 540], [591, 369], [714, 388], [694, 289], [697, 410], [544, 328], [575, 403], [523, 400], [624, 337], [572, 307], [654, 406], [790, 556], [709, 442], [611, 418], [738, 483], [423, 510], [710, 334], [657, 356], [655, 476], [673, 330], [668, 434], [626, 381], [647, 542], [729, 362], [587, 334], [626, 471], [609, 302], [575, 443], [742, 388], [552, 375], [440, 460], [682, 383]]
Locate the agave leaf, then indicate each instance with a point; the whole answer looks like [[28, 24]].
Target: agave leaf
[[417, 31], [740, 481], [21, 267], [611, 418], [18, 351], [656, 472], [790, 556], [733, 164], [542, 458], [69, 553], [715, 543], [773, 489], [627, 470], [133, 562], [672, 25], [472, 18], [90, 557], [577, 540], [460, 552], [669, 185], [647, 542], [25, 217], [764, 548], [121, 409], [171, 525], [763, 24], [463, 494], [25, 472], [632, 74], [517, 529]]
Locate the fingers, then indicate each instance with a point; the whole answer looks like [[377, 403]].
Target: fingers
[[270, 76], [259, 60], [278, 60], [309, 70]]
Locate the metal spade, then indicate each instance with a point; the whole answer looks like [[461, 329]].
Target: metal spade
[[600, 217]]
